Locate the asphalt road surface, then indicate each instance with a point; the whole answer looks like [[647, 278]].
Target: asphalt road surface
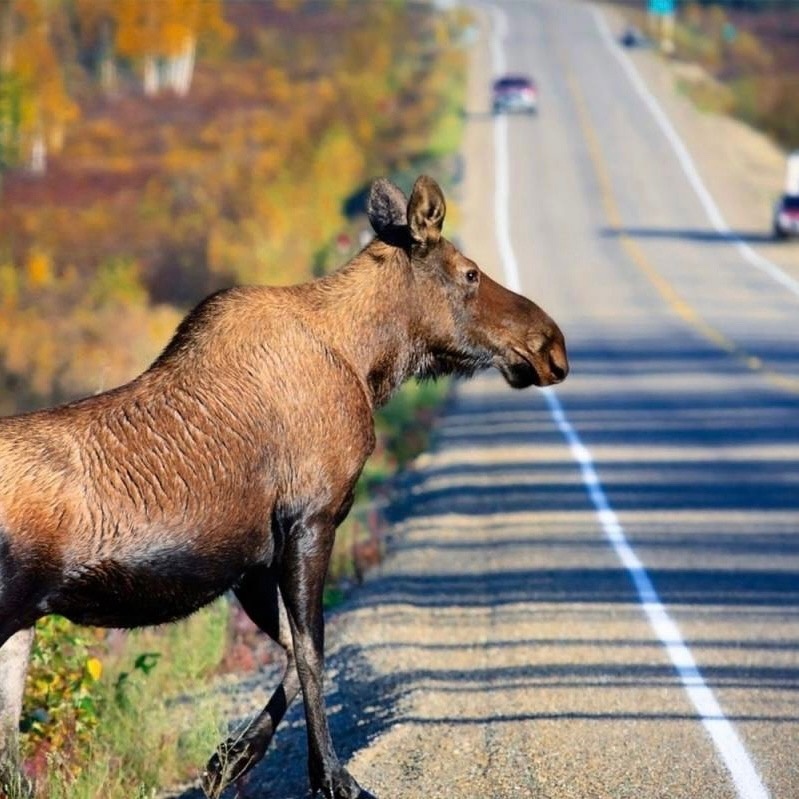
[[591, 592]]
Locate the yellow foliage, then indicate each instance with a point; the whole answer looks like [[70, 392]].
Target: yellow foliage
[[365, 131], [173, 37], [39, 269], [45, 108], [117, 283], [94, 667], [162, 28], [106, 336], [277, 84], [9, 288], [326, 90], [61, 694]]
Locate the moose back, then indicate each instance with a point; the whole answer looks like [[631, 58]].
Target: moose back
[[230, 462]]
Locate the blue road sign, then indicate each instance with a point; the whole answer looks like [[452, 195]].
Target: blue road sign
[[661, 6]]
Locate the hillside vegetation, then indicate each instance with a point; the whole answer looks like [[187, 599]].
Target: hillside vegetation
[[154, 152]]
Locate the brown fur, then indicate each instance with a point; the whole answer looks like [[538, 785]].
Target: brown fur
[[229, 463]]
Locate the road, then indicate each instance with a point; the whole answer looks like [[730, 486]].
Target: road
[[593, 592]]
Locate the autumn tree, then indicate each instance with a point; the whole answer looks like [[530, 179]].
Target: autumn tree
[[35, 107], [153, 204], [163, 36]]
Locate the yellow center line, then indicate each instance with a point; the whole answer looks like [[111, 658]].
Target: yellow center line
[[639, 259]]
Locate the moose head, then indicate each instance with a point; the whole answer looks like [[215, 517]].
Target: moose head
[[466, 320]]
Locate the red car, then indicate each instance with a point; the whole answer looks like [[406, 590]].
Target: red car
[[514, 93]]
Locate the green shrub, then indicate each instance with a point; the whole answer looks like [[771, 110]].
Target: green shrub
[[63, 696], [145, 722]]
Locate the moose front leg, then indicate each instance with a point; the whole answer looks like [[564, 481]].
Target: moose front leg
[[305, 565]]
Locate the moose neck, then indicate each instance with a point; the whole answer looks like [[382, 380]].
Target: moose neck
[[370, 310]]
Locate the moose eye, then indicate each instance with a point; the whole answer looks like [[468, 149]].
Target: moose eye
[[472, 276]]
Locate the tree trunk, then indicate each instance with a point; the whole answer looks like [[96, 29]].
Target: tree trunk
[[152, 82], [181, 68], [38, 159], [108, 67]]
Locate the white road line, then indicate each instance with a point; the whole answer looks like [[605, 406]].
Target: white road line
[[687, 163], [729, 746]]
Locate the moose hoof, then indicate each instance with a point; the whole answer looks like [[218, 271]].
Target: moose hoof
[[231, 761], [341, 785]]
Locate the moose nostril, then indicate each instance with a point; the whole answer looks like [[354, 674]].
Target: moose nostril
[[558, 364]]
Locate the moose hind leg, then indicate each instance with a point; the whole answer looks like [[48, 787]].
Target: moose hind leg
[[260, 598], [14, 655], [305, 563]]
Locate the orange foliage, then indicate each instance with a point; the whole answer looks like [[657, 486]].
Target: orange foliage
[[39, 269], [162, 28]]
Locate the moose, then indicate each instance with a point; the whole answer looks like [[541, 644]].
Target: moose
[[229, 463]]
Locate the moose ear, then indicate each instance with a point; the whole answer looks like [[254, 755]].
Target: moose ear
[[426, 211], [386, 207]]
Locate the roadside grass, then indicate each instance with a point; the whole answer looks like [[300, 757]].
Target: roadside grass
[[708, 95], [15, 785], [152, 720]]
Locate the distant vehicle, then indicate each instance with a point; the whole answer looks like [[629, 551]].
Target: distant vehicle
[[632, 37], [792, 173], [514, 93], [786, 216]]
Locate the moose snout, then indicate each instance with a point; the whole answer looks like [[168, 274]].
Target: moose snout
[[550, 359], [558, 361]]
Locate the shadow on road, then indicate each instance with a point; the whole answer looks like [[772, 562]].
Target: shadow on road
[[698, 235]]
